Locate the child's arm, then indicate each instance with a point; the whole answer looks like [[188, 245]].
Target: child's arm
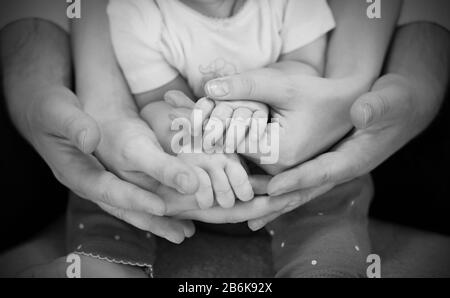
[[156, 111], [307, 60]]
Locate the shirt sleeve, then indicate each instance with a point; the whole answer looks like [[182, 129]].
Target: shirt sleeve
[[304, 21], [136, 36], [50, 10], [434, 11]]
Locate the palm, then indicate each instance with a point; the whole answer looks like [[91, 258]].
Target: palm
[[309, 123]]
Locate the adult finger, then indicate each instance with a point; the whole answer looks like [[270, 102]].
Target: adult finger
[[145, 156], [140, 180], [61, 115], [332, 167], [84, 175], [258, 224], [389, 99], [241, 212], [172, 230], [295, 201], [269, 86], [94, 183]]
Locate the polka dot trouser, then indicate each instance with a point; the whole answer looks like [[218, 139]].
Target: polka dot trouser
[[94, 233], [327, 237]]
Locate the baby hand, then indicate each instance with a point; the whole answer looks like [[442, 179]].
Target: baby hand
[[226, 124], [221, 176]]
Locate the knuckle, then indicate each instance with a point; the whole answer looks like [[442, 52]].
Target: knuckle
[[249, 86], [380, 104], [106, 194], [69, 123], [120, 213], [324, 177], [290, 90], [131, 146]]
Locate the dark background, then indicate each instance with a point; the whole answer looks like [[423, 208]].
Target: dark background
[[412, 187]]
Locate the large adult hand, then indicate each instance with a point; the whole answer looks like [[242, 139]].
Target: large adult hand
[[129, 149], [312, 112], [65, 137], [385, 120]]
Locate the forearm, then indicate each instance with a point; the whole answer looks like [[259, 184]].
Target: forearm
[[358, 45], [156, 111], [308, 60], [35, 61], [100, 85], [290, 67], [420, 54]]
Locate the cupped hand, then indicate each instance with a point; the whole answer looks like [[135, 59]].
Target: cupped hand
[[66, 137], [312, 112], [385, 120]]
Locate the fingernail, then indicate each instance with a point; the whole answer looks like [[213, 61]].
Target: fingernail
[[182, 182], [158, 211], [175, 239], [189, 231], [255, 225], [81, 139], [218, 88], [368, 114]]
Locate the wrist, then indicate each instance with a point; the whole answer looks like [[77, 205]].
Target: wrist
[[26, 105]]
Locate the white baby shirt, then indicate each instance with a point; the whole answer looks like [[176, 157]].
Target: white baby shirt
[[157, 40]]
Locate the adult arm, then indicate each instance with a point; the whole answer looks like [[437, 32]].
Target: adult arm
[[400, 106], [128, 146], [36, 73], [358, 45]]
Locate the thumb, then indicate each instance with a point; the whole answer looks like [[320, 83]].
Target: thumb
[[268, 86], [63, 116], [388, 100]]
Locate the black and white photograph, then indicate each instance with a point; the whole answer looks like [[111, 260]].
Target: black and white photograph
[[225, 145]]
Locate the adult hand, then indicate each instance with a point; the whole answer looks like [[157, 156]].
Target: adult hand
[[65, 137], [312, 112], [398, 108], [129, 149], [385, 121]]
